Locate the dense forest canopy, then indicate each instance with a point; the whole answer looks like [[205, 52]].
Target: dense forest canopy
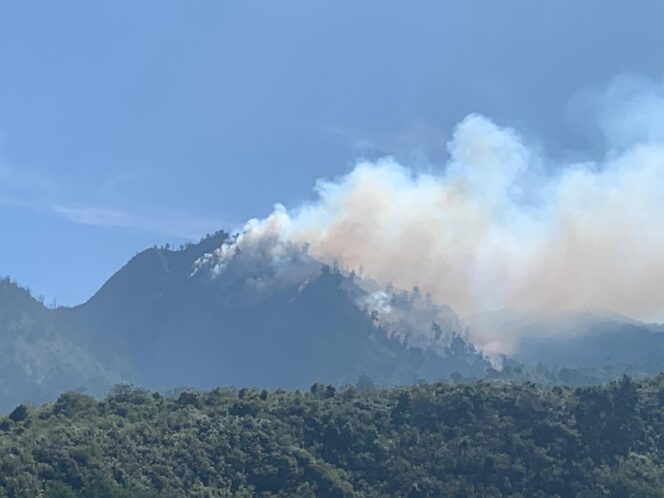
[[479, 439]]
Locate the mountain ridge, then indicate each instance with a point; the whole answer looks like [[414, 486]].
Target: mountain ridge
[[171, 318], [158, 324]]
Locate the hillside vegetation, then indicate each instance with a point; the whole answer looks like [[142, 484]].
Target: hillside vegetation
[[164, 321], [159, 324], [480, 439]]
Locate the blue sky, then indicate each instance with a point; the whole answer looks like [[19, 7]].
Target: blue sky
[[125, 124]]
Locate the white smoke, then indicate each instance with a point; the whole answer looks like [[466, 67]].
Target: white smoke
[[261, 258], [412, 317], [500, 226]]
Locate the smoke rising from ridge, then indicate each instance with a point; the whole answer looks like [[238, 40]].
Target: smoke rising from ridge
[[500, 226]]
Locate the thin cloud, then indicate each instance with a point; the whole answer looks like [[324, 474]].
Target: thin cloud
[[26, 189], [172, 224]]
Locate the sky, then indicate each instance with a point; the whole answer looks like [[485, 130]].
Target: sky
[[126, 124]]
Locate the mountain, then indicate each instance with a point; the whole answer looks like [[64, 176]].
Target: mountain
[[218, 313], [36, 360], [164, 321], [593, 340], [112, 325], [590, 342]]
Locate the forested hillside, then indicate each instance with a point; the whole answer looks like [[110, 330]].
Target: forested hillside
[[36, 360], [160, 324], [166, 320], [481, 439]]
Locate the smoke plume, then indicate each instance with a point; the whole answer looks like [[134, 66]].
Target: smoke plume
[[499, 225]]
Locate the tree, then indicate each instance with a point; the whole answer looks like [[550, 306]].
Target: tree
[[20, 413]]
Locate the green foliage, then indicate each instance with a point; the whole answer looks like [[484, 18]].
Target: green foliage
[[480, 439]]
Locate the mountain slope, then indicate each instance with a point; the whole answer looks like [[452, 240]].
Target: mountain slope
[[35, 360], [579, 339], [274, 317], [164, 321], [110, 324], [162, 327], [602, 342]]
